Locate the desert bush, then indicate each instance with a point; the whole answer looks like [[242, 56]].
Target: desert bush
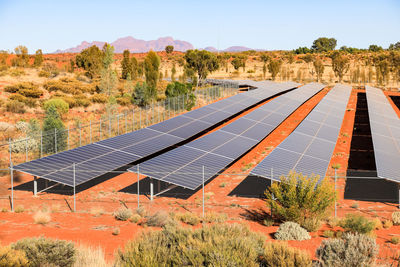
[[351, 250], [99, 98], [123, 214], [41, 217], [44, 73], [12, 258], [188, 218], [116, 231], [214, 217], [298, 197], [387, 224], [15, 106], [141, 211], [16, 72], [82, 102], [215, 245], [135, 218], [395, 240], [19, 209], [311, 224], [87, 256], [30, 102], [279, 254], [291, 231], [69, 86], [158, 219], [22, 144], [59, 104], [268, 222], [357, 224], [396, 217], [377, 223], [26, 89], [46, 252], [328, 233], [124, 101]]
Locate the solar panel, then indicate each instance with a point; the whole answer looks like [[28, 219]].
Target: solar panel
[[101, 157], [385, 132], [182, 166], [308, 149]]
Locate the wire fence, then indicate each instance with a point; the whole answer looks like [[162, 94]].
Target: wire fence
[[39, 145]]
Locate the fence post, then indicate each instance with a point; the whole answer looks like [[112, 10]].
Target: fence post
[[41, 143], [272, 177], [335, 192], [73, 169], [12, 185], [55, 140], [90, 131], [26, 149]]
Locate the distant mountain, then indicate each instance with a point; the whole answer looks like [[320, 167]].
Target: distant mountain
[[134, 45], [140, 46]]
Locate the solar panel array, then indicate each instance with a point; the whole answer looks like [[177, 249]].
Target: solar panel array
[[182, 166], [101, 157], [385, 131], [308, 149]]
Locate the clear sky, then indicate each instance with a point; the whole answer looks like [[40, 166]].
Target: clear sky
[[272, 25]]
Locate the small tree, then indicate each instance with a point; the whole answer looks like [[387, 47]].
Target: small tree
[[173, 72], [237, 63], [274, 67], [319, 68], [55, 132], [38, 58], [151, 66], [22, 58], [91, 60], [340, 65], [298, 198], [375, 48], [108, 76], [169, 49], [264, 58], [141, 94], [126, 65], [202, 62], [324, 44], [59, 104], [134, 68]]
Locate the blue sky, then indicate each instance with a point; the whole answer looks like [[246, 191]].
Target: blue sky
[[52, 25]]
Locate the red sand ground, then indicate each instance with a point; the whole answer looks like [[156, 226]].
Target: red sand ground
[[87, 228]]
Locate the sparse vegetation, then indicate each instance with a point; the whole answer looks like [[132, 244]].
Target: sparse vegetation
[[279, 254], [357, 224], [188, 218], [41, 217], [351, 250], [12, 258], [291, 231], [396, 217], [123, 214]]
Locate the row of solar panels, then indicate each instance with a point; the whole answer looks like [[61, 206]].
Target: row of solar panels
[[385, 132], [182, 166], [101, 157]]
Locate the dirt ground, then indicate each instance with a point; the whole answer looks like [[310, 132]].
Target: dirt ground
[[234, 193]]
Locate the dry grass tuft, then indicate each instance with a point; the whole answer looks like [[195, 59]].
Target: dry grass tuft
[[42, 217], [89, 256]]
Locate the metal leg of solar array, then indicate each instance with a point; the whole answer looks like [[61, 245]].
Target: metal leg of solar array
[[151, 189], [165, 190], [12, 185], [34, 185]]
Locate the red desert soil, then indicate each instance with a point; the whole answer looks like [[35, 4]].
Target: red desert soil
[[86, 227]]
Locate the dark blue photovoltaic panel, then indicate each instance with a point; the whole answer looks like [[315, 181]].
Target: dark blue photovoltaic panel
[[99, 158], [308, 149], [220, 148]]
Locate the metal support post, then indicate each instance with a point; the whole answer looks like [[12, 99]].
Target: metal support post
[[55, 140], [272, 177], [203, 189], [12, 185], [90, 131], [151, 189], [138, 194], [73, 170], [34, 185], [335, 192]]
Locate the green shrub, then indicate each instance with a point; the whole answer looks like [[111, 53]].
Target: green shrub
[[351, 250], [82, 102], [396, 217], [291, 231], [31, 92], [215, 245], [357, 224], [124, 101], [279, 254], [26, 100], [123, 214], [387, 224], [297, 198], [12, 258], [395, 240], [99, 98], [188, 218], [268, 222], [26, 89], [69, 86], [44, 251], [15, 106], [59, 104], [135, 218], [13, 88], [329, 234]]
